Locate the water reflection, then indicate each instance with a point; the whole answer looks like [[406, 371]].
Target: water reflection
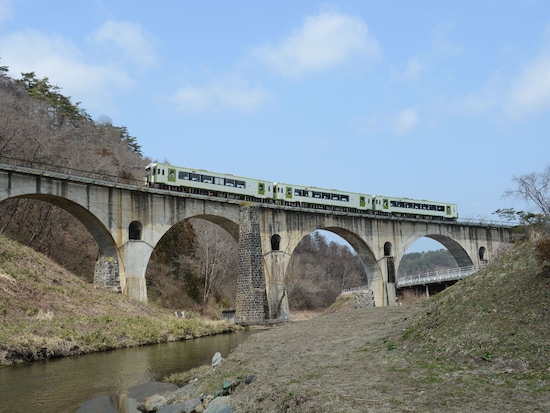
[[63, 384]]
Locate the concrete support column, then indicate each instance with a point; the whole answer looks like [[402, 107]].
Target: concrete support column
[[276, 263], [251, 300], [135, 257], [384, 291], [378, 287]]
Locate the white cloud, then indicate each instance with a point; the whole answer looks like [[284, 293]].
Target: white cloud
[[129, 39], [530, 91], [62, 62], [405, 121], [513, 98], [397, 124], [215, 96], [411, 72], [323, 42]]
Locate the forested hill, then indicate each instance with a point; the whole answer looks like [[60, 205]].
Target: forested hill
[[423, 262]]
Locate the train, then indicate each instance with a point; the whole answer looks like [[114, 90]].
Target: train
[[203, 182]]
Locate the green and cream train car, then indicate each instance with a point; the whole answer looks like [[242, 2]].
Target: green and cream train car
[[310, 197], [202, 182], [418, 208]]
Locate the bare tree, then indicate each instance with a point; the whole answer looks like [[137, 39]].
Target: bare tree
[[534, 188], [217, 260]]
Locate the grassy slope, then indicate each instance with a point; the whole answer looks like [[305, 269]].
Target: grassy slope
[[45, 312], [500, 315], [487, 339]]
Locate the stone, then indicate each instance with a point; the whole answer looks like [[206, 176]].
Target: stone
[[220, 404], [152, 404], [189, 406], [217, 359]]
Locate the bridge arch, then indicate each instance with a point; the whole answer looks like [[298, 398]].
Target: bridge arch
[[277, 262], [458, 252], [371, 264], [106, 270]]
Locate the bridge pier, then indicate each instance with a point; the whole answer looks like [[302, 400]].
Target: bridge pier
[[251, 303], [107, 273], [276, 263], [134, 255], [383, 282]]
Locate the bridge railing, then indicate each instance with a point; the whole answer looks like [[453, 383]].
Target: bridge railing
[[432, 277], [64, 170]]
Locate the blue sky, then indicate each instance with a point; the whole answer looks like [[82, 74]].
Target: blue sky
[[438, 100]]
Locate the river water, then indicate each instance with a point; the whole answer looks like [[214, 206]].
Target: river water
[[62, 385]]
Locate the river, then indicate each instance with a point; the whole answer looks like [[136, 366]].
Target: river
[[62, 385]]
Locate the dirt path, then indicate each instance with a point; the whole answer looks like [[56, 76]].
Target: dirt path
[[333, 363]]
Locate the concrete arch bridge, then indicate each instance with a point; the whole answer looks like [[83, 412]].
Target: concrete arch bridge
[[127, 221]]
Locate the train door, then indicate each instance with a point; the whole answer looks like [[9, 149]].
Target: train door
[[171, 175]]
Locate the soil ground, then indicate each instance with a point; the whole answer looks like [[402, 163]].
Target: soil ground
[[354, 360]]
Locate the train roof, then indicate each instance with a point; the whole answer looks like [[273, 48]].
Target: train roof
[[314, 188], [205, 171], [400, 198]]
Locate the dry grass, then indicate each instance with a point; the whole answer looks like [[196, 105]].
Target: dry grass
[[47, 312]]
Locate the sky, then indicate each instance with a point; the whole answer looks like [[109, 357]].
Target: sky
[[438, 100]]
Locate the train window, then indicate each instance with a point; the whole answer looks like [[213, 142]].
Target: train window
[[183, 175], [206, 179], [240, 184], [345, 198], [289, 191], [194, 177], [316, 195]]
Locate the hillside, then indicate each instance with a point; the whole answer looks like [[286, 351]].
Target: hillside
[[500, 315], [45, 312]]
